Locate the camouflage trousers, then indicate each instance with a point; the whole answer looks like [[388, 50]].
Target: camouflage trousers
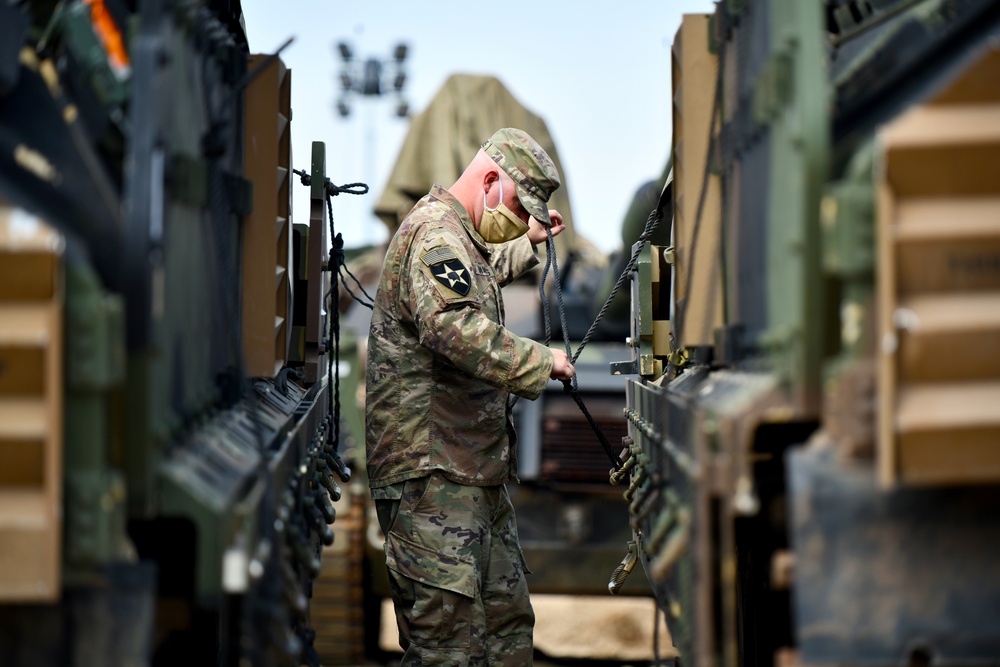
[[457, 575]]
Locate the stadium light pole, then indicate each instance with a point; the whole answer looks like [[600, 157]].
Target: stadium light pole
[[372, 78]]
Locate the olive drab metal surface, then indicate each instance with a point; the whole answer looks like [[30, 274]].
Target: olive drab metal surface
[[812, 456], [168, 468]]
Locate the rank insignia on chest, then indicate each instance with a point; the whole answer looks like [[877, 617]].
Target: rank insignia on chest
[[448, 270]]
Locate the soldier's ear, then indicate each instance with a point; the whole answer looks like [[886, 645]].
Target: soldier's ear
[[489, 178]]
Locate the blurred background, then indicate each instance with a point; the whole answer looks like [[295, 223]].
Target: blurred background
[[596, 73]]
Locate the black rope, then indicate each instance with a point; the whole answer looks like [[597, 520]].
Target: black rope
[[336, 251], [336, 264], [337, 259], [331, 189], [546, 318], [367, 304], [348, 188], [370, 305], [570, 386], [655, 216], [550, 250]]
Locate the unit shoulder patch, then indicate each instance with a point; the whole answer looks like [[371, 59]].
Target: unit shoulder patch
[[453, 275], [448, 269]]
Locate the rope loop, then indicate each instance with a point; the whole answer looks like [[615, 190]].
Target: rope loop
[[304, 177], [348, 188], [333, 190]]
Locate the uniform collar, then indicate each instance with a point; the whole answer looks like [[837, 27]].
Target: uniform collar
[[441, 194]]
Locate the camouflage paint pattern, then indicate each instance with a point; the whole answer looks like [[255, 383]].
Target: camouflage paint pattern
[[457, 575], [440, 363], [528, 165]]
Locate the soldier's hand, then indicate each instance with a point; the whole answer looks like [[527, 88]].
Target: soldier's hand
[[536, 230], [562, 367]]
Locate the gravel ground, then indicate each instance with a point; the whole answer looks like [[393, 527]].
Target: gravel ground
[[607, 628], [600, 629]]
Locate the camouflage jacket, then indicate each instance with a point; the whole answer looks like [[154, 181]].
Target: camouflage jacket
[[440, 362]]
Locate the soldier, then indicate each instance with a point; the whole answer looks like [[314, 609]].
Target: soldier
[[440, 438]]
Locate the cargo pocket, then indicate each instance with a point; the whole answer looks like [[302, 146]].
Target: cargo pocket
[[524, 563], [433, 592], [511, 530]]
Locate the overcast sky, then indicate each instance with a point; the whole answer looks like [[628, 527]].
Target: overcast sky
[[598, 73]]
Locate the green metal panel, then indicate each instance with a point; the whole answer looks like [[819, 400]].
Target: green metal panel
[[644, 269], [176, 376], [792, 93], [94, 492], [848, 223]]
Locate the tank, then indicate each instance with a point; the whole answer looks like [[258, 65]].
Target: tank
[[169, 447], [813, 452]]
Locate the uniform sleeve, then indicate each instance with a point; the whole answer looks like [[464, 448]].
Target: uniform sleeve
[[447, 307], [510, 260]]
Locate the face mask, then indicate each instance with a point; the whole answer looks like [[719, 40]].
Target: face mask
[[499, 224]]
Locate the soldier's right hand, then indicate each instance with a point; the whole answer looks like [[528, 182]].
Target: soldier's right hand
[[562, 367]]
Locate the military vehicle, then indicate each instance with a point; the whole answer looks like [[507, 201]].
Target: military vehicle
[[813, 396], [169, 424]]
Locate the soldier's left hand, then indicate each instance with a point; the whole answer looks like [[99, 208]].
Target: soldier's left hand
[[536, 230]]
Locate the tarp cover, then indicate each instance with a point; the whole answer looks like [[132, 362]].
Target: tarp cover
[[444, 138]]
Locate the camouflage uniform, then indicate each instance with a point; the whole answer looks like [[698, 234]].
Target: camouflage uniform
[[440, 439], [457, 575]]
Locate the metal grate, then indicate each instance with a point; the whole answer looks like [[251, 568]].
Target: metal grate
[[571, 451]]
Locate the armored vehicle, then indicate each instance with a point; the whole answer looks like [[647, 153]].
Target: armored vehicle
[[813, 399], [168, 425]]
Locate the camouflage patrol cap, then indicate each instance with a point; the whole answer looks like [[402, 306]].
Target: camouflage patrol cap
[[528, 165]]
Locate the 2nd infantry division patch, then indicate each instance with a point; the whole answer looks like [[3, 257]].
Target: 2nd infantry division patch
[[448, 269]]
